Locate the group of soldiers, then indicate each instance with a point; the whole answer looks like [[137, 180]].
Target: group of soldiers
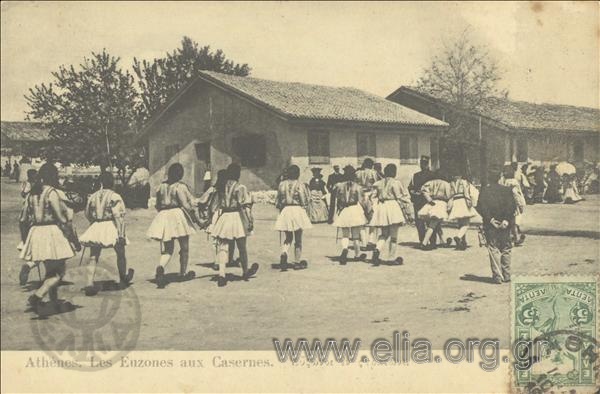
[[366, 205]]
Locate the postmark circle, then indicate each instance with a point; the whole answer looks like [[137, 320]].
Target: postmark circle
[[94, 332]]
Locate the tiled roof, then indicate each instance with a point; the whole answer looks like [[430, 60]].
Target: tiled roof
[[24, 131], [525, 115], [314, 102]]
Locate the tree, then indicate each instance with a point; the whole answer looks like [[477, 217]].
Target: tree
[[463, 76], [160, 79], [89, 110]]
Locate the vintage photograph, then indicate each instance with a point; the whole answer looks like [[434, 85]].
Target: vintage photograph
[[297, 176]]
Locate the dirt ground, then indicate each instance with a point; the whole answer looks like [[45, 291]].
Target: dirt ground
[[437, 295]]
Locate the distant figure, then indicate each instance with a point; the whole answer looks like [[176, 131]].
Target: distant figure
[[554, 181], [334, 178], [174, 221], [349, 197], [461, 207], [16, 172], [572, 195], [25, 223], [366, 177], [105, 210], [6, 170], [417, 198], [210, 210], [292, 199], [515, 187], [388, 214], [317, 207], [235, 223], [540, 185], [436, 193], [496, 206]]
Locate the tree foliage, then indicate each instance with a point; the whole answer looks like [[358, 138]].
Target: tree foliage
[[161, 78], [89, 110]]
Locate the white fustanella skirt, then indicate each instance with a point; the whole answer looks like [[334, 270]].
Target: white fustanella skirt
[[387, 213], [169, 224], [460, 210], [101, 234], [292, 218], [229, 226], [46, 243], [352, 216], [439, 210]]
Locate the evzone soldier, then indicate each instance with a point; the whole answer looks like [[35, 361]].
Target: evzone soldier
[[333, 179], [235, 223], [208, 206], [105, 211], [25, 225], [293, 198], [174, 221], [436, 193], [461, 206], [419, 201], [51, 238], [366, 177], [349, 197], [388, 214]]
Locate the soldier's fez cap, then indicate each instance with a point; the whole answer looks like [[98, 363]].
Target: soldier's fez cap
[[316, 170], [425, 158]]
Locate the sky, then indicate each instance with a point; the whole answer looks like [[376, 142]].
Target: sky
[[548, 52]]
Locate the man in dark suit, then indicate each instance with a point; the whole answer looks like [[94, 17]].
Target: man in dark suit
[[333, 179], [496, 205], [414, 188]]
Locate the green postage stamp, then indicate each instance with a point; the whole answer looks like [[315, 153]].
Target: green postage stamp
[[555, 333]]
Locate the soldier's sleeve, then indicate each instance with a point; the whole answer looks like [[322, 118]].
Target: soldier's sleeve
[[88, 210], [244, 197], [117, 206], [425, 192]]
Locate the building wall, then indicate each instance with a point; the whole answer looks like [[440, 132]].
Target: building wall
[[560, 147], [343, 149], [209, 114]]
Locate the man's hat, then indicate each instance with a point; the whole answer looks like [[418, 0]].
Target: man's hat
[[424, 158], [349, 169], [316, 170]]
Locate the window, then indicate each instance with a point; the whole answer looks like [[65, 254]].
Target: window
[[522, 149], [171, 151], [365, 146], [409, 152], [203, 151], [318, 147], [251, 149]]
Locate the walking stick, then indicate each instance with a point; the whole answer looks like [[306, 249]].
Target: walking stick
[[38, 270]]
